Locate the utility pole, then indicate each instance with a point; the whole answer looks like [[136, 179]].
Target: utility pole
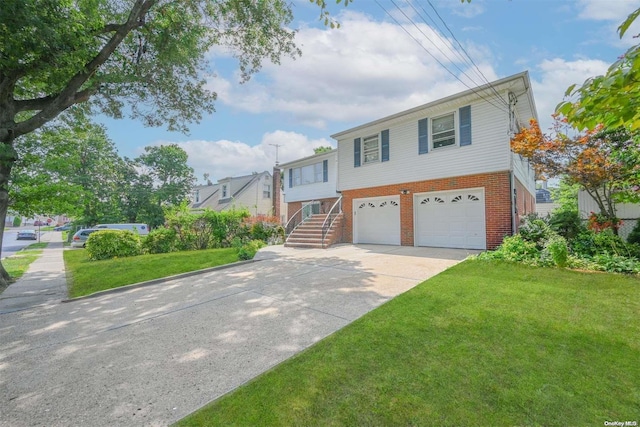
[[277, 146]]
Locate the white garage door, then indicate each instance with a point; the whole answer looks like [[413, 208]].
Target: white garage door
[[377, 220], [452, 219]]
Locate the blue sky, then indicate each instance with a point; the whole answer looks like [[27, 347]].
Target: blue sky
[[370, 68]]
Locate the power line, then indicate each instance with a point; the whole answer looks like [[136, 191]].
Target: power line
[[500, 107], [465, 52]]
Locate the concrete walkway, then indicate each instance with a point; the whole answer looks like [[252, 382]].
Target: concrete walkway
[[148, 356], [43, 284]]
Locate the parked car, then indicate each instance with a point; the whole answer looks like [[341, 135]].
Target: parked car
[[38, 223], [141, 229], [79, 239], [27, 235], [65, 227]]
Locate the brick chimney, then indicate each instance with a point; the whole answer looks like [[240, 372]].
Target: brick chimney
[[276, 192]]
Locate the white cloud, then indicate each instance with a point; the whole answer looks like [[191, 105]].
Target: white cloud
[[556, 76], [225, 158], [614, 12], [362, 71], [605, 10]]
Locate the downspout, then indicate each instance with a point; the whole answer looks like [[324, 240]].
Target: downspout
[[513, 196]]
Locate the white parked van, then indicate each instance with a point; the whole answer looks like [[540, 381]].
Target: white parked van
[[141, 229]]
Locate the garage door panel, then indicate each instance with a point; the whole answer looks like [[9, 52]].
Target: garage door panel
[[377, 220], [454, 219]]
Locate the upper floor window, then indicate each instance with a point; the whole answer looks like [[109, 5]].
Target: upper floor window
[[443, 131], [308, 174], [225, 191], [371, 149], [266, 190], [196, 196]]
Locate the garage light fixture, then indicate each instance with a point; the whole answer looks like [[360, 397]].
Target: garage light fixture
[[404, 191]]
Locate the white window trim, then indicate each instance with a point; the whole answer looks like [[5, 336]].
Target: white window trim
[[266, 188], [456, 130], [362, 155]]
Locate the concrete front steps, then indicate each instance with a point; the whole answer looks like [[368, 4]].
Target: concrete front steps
[[309, 233]]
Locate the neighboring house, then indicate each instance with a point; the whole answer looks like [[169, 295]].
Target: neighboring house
[[252, 192], [629, 213], [311, 181], [544, 202], [441, 174]]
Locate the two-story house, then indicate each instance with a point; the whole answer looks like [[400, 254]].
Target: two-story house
[[441, 174], [259, 193]]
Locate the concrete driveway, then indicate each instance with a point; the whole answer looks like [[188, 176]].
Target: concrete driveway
[[151, 355]]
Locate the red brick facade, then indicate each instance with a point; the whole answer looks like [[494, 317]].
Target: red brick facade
[[525, 202], [497, 190]]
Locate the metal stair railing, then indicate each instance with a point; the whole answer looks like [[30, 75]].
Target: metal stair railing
[[326, 227], [293, 222]]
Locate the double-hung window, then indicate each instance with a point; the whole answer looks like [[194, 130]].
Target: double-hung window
[[266, 190], [443, 131], [371, 149], [225, 191]]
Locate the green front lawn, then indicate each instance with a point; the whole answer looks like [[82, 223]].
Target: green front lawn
[[16, 265], [484, 343], [85, 277]]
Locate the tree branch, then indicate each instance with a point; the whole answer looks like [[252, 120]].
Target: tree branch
[[69, 95]]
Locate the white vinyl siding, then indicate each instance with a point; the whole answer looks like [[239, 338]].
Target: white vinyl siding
[[489, 151], [524, 172], [318, 189]]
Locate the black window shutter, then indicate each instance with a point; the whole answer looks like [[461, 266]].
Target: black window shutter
[[423, 136], [325, 170], [290, 177], [465, 126], [385, 145], [356, 152]]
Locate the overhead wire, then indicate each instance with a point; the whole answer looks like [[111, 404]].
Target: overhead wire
[[473, 89], [465, 51]]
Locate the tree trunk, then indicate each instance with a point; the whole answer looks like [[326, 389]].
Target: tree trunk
[[6, 163]]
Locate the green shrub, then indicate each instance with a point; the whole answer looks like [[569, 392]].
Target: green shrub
[[268, 232], [557, 249], [535, 230], [17, 221], [616, 264], [634, 236], [248, 250], [106, 244], [516, 248], [568, 224], [591, 243], [206, 229], [160, 241]]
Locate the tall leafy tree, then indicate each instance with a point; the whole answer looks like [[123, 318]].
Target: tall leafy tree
[[164, 179], [612, 99], [604, 162], [147, 55], [68, 166]]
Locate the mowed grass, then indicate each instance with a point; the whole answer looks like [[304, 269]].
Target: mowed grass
[[16, 265], [85, 277], [484, 343]]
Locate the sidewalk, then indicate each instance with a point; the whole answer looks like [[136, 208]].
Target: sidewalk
[[43, 284]]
